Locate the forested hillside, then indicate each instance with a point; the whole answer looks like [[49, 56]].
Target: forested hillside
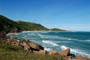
[[8, 25]]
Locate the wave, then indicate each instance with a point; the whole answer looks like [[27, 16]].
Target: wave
[[40, 36], [50, 42], [75, 51], [66, 38], [85, 40], [71, 39], [56, 37], [51, 37], [43, 32], [48, 49]]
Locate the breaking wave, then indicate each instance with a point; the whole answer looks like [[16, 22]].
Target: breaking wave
[[85, 40], [48, 49], [66, 38], [50, 42], [40, 36]]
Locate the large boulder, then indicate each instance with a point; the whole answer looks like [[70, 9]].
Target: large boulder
[[35, 46], [28, 45], [25, 46], [65, 52], [82, 58]]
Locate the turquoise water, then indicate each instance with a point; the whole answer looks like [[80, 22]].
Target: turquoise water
[[78, 42]]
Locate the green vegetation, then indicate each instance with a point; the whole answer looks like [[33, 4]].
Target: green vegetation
[[56, 29], [9, 52], [28, 26], [8, 25]]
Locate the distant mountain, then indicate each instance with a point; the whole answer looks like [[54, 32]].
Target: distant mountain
[[8, 25], [56, 29]]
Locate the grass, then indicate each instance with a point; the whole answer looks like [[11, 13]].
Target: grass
[[9, 52]]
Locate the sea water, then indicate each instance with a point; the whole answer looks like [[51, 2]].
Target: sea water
[[78, 42]]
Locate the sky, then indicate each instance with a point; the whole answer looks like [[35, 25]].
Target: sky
[[73, 15]]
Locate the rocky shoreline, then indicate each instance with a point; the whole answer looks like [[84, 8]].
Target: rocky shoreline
[[36, 48]]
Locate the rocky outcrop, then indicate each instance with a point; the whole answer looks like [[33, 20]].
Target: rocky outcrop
[[31, 46], [35, 46], [82, 58], [65, 52], [25, 46]]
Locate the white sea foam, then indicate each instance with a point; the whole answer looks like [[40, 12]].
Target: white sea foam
[[48, 49], [40, 35], [51, 37], [55, 37], [66, 38], [75, 51], [63, 47], [86, 40], [50, 42]]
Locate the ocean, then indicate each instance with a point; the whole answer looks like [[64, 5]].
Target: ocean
[[78, 42]]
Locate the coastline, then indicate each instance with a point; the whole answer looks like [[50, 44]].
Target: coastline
[[46, 31], [53, 52]]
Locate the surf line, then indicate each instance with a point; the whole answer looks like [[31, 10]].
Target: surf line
[[40, 36]]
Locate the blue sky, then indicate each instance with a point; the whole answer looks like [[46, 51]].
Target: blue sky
[[65, 14]]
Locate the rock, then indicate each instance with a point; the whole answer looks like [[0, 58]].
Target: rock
[[82, 58], [72, 55], [43, 52], [68, 58], [53, 53], [35, 46], [31, 46], [25, 46], [65, 52], [37, 52]]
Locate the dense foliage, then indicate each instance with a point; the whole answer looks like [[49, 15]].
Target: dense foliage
[[28, 26], [7, 25]]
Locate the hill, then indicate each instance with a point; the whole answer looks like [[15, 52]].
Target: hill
[[29, 26], [56, 29], [8, 25]]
